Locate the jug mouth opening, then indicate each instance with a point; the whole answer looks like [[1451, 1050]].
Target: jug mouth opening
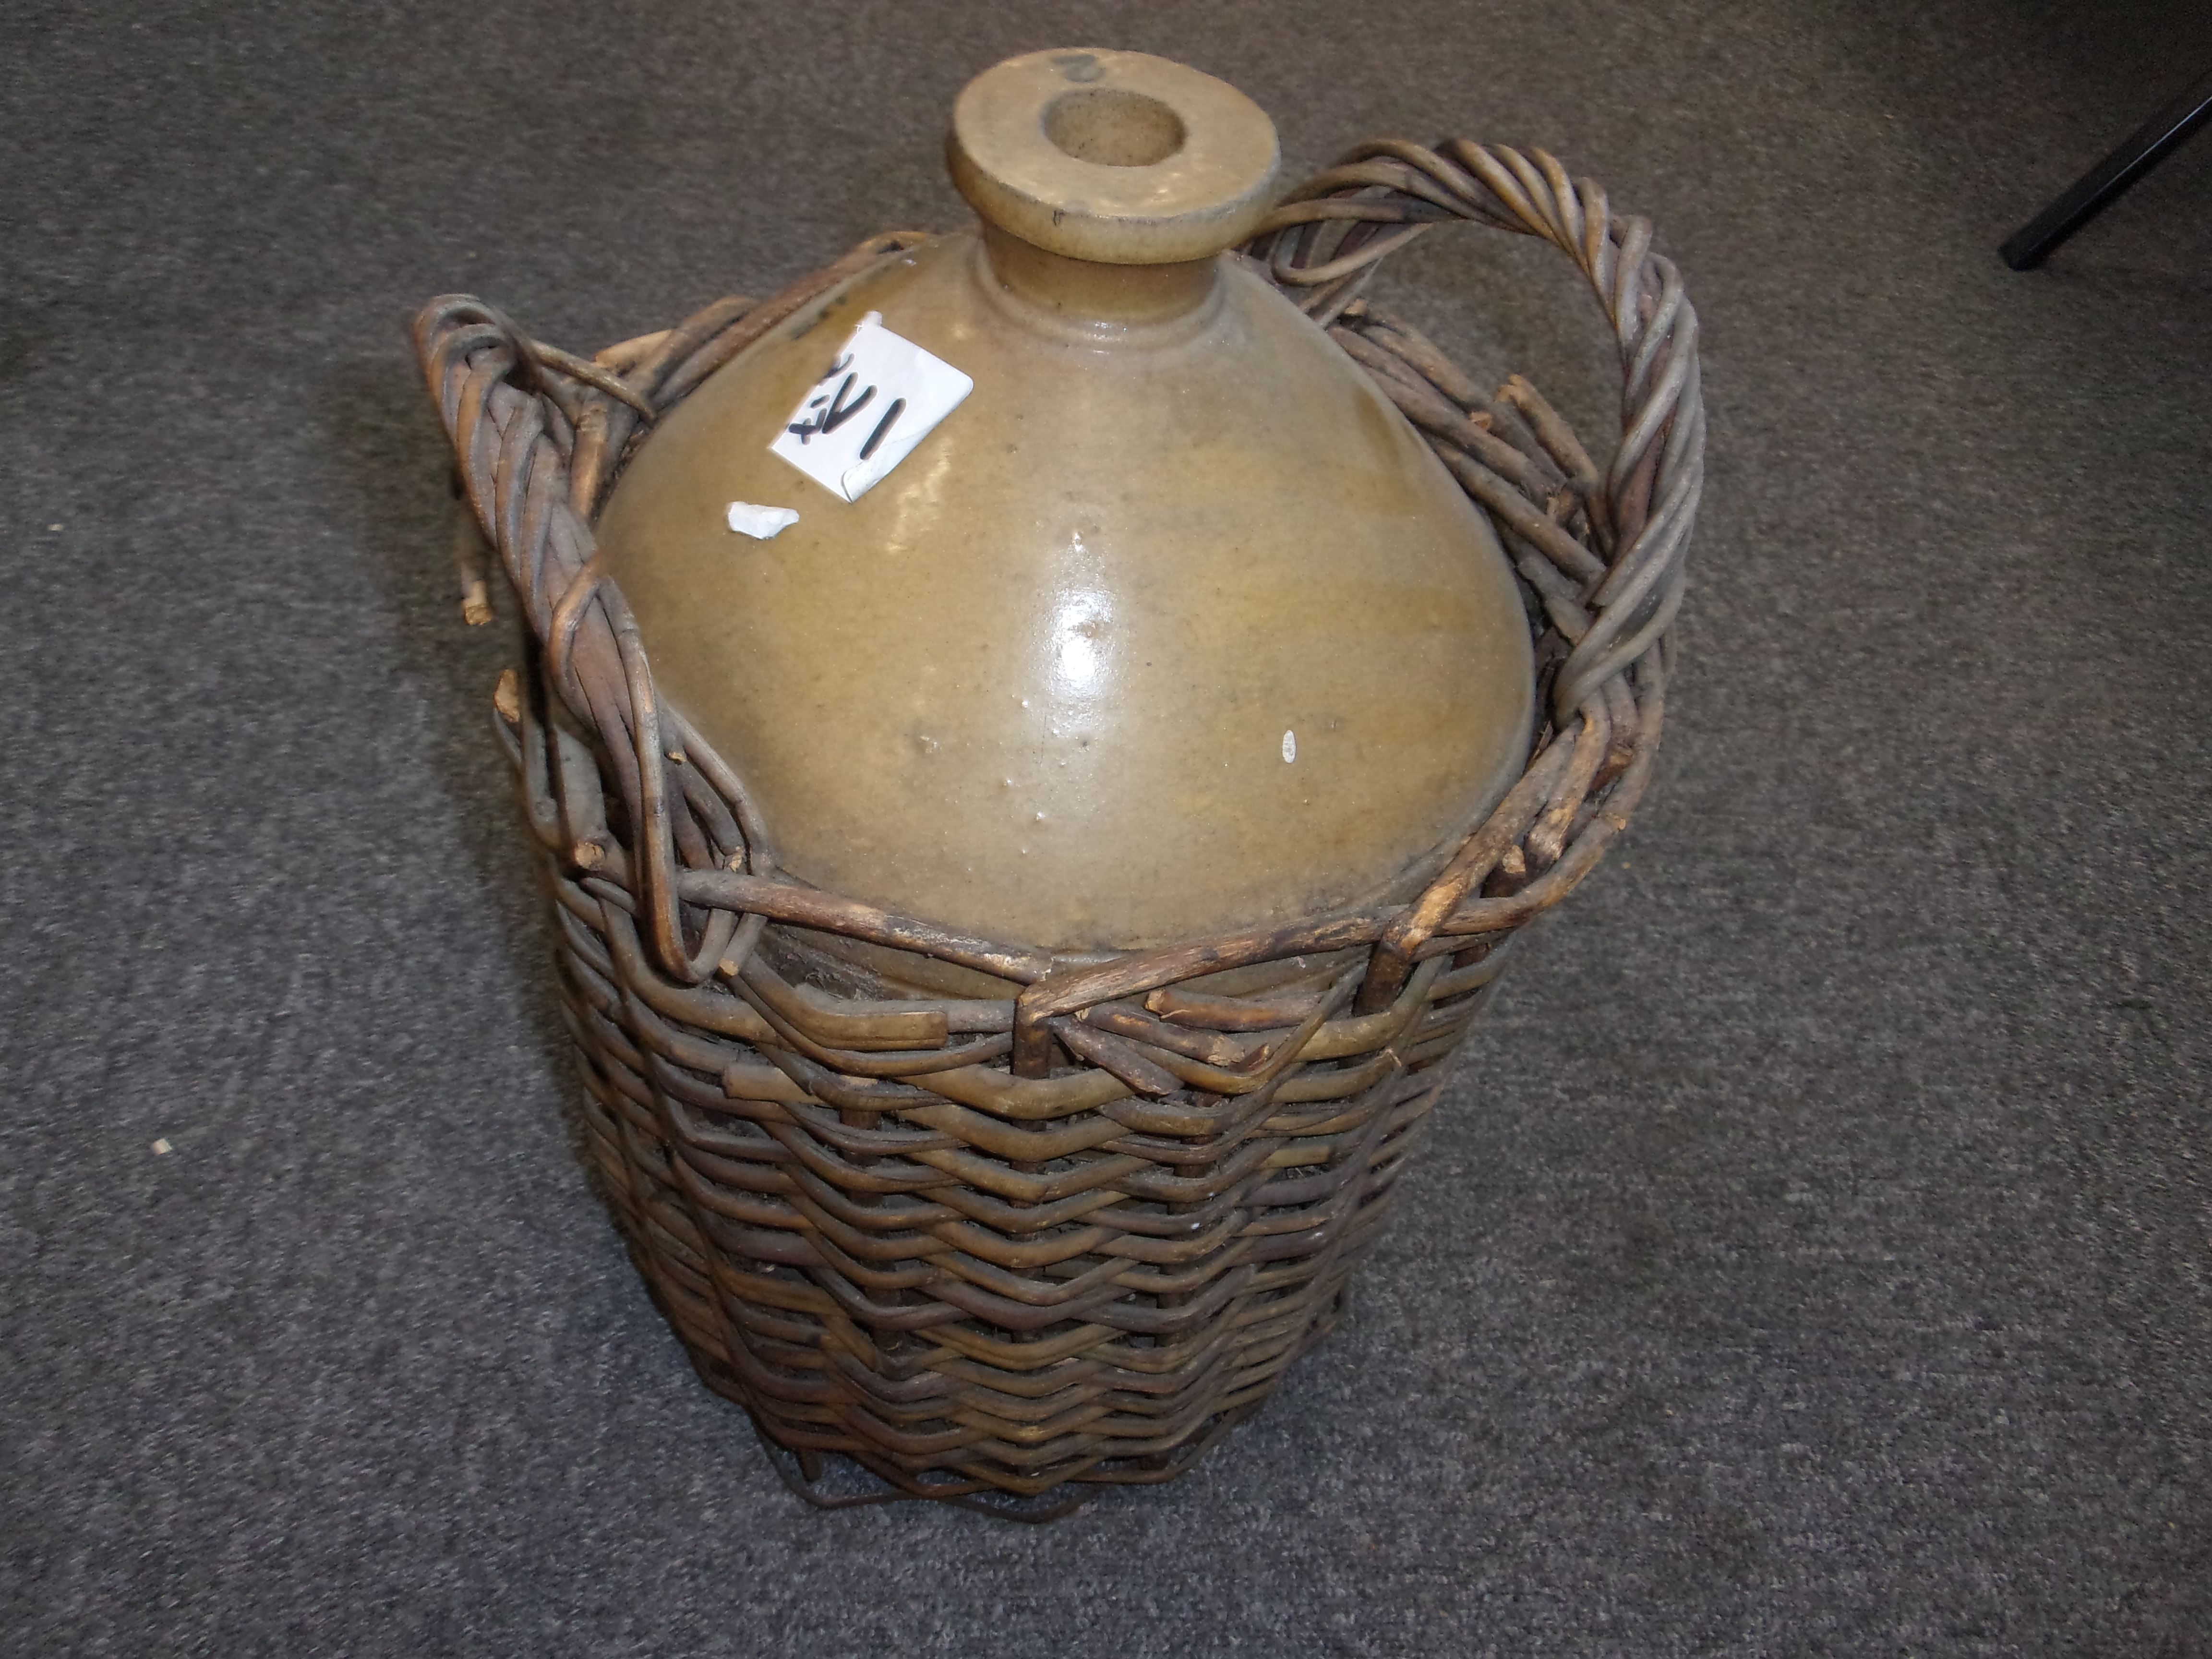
[[1116, 157], [1112, 127]]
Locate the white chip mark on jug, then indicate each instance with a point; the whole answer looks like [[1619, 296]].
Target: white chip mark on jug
[[1289, 747], [761, 523], [160, 1147]]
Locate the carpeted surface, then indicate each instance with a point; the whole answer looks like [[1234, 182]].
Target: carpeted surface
[[1838, 1274]]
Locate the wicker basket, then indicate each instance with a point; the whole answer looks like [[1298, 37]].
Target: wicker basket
[[1072, 1227]]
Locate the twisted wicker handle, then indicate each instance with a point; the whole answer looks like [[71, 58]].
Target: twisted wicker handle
[[1326, 240], [538, 435], [1603, 552]]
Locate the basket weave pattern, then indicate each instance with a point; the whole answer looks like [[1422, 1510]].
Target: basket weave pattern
[[988, 1246]]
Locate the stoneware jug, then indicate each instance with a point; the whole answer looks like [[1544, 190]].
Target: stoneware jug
[[1039, 740]]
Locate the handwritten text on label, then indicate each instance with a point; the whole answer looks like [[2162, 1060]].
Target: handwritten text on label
[[879, 397]]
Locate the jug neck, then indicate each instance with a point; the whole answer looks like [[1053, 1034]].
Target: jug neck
[[1091, 298]]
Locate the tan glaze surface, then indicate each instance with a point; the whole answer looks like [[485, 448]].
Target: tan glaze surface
[[1035, 683]]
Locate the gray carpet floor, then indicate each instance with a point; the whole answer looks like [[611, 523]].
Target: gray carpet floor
[[1815, 1253]]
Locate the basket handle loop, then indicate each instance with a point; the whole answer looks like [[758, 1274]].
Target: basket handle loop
[[1602, 552], [538, 435]]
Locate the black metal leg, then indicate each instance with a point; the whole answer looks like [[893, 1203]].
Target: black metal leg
[[2103, 184]]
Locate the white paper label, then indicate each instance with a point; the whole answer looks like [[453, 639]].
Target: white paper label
[[881, 396]]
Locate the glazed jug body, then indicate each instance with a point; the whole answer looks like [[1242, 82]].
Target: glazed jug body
[[1172, 625]]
